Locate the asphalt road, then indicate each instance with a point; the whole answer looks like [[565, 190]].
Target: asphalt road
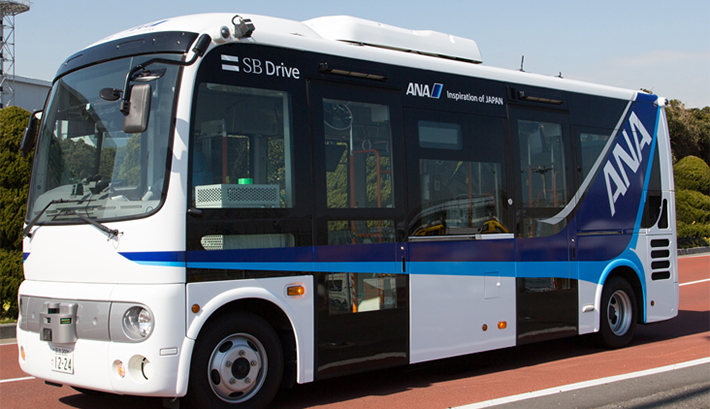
[[562, 373]]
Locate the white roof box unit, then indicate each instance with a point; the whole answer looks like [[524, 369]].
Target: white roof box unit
[[371, 33]]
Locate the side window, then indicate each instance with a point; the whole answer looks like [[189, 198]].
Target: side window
[[241, 158], [242, 148], [353, 293], [655, 211], [544, 177], [591, 143], [358, 154], [542, 161], [461, 177]]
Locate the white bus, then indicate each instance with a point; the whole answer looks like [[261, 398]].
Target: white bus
[[224, 205]]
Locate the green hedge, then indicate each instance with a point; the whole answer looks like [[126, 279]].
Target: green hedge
[[14, 179], [692, 173], [692, 201], [10, 279]]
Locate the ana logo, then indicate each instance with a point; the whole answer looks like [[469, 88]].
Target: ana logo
[[423, 90], [617, 182]]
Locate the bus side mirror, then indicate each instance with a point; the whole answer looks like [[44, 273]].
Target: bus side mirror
[[30, 134], [136, 120]]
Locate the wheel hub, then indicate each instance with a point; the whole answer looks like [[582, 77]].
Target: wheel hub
[[619, 313], [237, 368]]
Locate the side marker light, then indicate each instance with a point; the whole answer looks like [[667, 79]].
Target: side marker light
[[502, 325], [195, 308], [295, 290], [119, 368]]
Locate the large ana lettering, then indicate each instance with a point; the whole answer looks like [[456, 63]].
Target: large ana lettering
[[616, 178]]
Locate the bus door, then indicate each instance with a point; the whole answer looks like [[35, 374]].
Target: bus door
[[460, 241], [362, 302], [546, 278]]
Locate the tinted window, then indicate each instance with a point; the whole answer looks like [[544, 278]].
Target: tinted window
[[461, 180], [242, 151], [358, 154]]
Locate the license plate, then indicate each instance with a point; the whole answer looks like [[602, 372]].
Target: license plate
[[63, 359]]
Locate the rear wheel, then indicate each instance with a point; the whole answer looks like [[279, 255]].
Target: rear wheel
[[618, 318], [237, 363]]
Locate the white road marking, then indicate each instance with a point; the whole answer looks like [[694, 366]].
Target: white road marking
[[695, 282], [582, 385], [17, 379]]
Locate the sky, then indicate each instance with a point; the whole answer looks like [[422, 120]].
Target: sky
[[662, 46]]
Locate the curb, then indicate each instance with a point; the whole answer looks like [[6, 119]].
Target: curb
[[694, 250], [8, 331]]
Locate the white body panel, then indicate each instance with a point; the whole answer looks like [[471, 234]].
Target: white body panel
[[213, 295], [93, 360], [659, 306], [589, 306], [447, 315]]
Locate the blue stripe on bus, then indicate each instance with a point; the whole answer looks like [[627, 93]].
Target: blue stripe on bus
[[534, 269], [157, 258]]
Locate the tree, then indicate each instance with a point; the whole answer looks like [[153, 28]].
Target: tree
[[689, 131], [14, 181]]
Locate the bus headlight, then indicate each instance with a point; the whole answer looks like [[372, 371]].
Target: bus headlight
[[137, 323]]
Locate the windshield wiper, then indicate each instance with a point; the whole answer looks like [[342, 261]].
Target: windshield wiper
[[26, 230], [111, 232]]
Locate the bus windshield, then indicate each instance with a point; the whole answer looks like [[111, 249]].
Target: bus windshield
[[84, 158]]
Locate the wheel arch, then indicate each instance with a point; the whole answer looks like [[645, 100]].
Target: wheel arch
[[626, 270], [276, 317], [291, 318]]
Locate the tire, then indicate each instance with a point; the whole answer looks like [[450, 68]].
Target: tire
[[237, 363], [618, 314]]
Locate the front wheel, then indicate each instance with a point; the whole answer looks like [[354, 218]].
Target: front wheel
[[237, 363], [618, 318]]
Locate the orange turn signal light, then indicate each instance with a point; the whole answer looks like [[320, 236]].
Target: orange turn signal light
[[502, 325], [295, 290], [119, 368]]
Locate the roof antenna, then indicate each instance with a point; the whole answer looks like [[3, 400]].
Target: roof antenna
[[522, 61]]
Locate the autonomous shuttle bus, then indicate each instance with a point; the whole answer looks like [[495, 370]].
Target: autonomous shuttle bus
[[222, 205]]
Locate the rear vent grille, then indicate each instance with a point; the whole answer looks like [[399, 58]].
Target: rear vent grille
[[660, 259]]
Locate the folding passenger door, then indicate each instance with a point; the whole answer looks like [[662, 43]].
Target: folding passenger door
[[362, 301]]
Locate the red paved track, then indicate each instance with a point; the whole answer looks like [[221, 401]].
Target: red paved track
[[451, 382]]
